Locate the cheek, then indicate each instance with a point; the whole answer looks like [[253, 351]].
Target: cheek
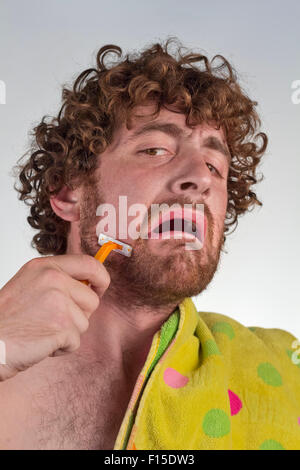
[[223, 208], [218, 208], [139, 187], [115, 180], [123, 181], [220, 201]]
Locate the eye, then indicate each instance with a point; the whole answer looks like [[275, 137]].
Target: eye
[[152, 149], [209, 164]]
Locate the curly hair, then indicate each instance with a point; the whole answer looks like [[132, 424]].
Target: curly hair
[[64, 151]]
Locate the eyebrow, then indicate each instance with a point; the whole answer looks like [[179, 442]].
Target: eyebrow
[[210, 142]]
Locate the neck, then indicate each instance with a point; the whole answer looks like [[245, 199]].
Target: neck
[[124, 331]]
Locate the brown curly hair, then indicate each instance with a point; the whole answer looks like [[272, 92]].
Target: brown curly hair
[[64, 151]]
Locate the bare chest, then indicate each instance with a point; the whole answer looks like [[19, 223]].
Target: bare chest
[[83, 412], [81, 408]]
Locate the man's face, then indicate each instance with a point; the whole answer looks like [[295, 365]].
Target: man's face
[[184, 168]]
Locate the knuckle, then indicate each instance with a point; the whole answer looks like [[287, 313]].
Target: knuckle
[[105, 277], [84, 325], [55, 299], [96, 301], [107, 281], [74, 341], [88, 260], [98, 267], [99, 270], [51, 276], [58, 310], [33, 263], [66, 342], [60, 321]]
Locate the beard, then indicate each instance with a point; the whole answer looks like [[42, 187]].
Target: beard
[[147, 278]]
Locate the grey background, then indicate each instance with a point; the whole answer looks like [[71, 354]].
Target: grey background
[[45, 44]]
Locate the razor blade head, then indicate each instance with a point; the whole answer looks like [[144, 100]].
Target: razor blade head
[[126, 249]]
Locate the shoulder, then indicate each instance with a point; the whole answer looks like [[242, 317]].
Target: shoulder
[[276, 343], [217, 322]]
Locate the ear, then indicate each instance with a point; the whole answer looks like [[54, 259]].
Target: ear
[[66, 204]]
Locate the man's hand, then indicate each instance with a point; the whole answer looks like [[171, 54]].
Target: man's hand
[[45, 308]]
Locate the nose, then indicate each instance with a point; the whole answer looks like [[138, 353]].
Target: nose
[[193, 177]]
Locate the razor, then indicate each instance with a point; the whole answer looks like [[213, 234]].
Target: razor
[[107, 245]]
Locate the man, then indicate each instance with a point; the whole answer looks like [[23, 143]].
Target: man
[[127, 362]]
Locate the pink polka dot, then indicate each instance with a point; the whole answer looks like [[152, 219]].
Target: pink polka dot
[[235, 403], [299, 420], [174, 379]]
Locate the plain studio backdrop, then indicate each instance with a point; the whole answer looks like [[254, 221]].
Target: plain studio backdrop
[[46, 44]]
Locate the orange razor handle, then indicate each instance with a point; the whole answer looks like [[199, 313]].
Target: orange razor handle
[[104, 251]]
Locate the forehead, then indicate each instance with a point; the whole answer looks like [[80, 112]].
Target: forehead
[[141, 115]]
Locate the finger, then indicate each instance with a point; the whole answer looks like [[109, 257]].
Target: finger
[[71, 345], [83, 296], [69, 341], [83, 266], [77, 316]]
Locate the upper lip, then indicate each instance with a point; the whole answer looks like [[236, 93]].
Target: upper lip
[[196, 217]]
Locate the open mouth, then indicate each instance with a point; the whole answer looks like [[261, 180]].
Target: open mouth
[[176, 225], [179, 224]]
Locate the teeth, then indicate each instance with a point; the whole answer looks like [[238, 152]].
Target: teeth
[[177, 225]]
